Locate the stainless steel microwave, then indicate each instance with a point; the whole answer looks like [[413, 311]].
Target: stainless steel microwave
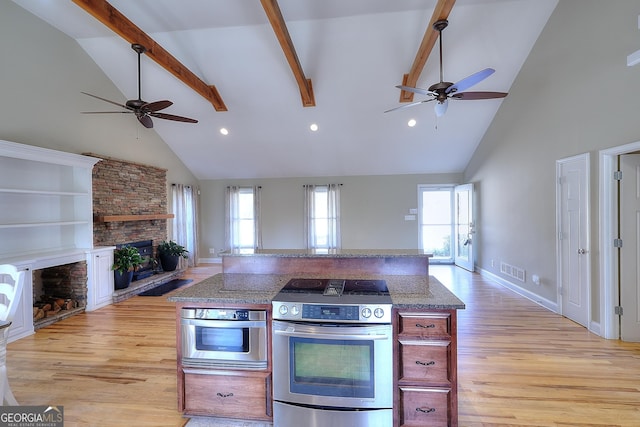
[[224, 338]]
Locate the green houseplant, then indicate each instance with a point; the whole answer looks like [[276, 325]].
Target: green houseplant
[[169, 253], [126, 260]]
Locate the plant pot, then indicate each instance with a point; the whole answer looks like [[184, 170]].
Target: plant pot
[[122, 280], [169, 262]]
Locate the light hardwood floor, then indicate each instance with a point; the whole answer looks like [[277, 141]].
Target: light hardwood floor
[[519, 364]]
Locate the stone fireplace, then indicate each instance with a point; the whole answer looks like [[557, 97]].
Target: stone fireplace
[[59, 292], [125, 195]]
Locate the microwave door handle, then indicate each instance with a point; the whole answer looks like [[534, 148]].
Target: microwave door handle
[[229, 324], [332, 336]]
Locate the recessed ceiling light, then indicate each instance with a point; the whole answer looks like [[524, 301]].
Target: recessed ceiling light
[[411, 123], [313, 127], [224, 131]]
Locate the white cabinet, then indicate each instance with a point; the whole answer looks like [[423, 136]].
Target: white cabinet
[[100, 276], [22, 324]]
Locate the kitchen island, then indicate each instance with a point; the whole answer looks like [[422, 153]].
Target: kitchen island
[[424, 331], [231, 289]]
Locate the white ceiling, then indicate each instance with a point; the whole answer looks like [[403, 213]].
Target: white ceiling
[[354, 51]]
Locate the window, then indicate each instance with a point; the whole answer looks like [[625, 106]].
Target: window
[[322, 217], [436, 221], [243, 219]]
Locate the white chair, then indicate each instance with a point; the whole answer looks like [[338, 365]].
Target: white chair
[[11, 283]]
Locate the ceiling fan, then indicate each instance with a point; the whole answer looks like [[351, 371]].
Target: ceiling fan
[[442, 91], [143, 110]]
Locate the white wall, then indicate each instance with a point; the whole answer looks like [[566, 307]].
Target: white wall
[[373, 210], [574, 94]]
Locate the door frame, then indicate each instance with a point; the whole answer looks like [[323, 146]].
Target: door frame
[[609, 259], [585, 159]]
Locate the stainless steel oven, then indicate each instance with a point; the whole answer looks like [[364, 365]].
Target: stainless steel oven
[[224, 338], [332, 357]]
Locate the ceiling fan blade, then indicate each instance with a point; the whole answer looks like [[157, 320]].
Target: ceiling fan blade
[[157, 106], [472, 80], [106, 100], [107, 112], [145, 120], [415, 90], [172, 117], [478, 95], [410, 105]]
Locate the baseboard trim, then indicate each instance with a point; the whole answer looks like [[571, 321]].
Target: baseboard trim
[[548, 304], [216, 260]]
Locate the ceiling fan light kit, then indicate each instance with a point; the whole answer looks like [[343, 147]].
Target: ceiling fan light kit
[[143, 110], [442, 91]]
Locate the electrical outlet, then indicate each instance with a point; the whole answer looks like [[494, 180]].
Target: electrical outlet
[[212, 251]]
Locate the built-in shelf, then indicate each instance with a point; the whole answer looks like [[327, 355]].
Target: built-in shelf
[[124, 218], [43, 192], [43, 224]]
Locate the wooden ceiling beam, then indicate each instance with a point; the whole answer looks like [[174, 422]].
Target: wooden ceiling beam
[[118, 23], [441, 11], [279, 26]]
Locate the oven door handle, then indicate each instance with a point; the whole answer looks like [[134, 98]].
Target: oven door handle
[[229, 324], [332, 336]]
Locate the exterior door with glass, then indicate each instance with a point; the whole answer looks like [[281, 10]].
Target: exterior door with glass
[[464, 226]]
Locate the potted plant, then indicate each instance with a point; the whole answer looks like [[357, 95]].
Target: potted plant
[[126, 260], [169, 253]]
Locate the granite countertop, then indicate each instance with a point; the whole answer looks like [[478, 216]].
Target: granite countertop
[[418, 292], [334, 253]]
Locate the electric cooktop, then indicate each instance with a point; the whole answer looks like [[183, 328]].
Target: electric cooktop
[[337, 300]]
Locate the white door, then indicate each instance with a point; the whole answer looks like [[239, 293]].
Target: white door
[[464, 226], [630, 251], [573, 238]]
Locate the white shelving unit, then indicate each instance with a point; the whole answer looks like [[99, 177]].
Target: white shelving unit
[[46, 214]]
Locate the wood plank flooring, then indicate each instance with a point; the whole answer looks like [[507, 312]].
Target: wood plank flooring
[[519, 364]]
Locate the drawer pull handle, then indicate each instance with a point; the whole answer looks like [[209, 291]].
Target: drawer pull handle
[[426, 411], [418, 325], [425, 363], [225, 394]]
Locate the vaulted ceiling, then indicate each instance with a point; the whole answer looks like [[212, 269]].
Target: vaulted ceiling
[[266, 70]]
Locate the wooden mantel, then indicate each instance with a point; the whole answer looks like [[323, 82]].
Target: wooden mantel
[[125, 218]]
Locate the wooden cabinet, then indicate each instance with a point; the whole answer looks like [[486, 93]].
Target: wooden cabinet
[[228, 394], [100, 286], [426, 361], [219, 392]]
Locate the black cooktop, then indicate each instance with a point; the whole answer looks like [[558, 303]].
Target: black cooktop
[[336, 287]]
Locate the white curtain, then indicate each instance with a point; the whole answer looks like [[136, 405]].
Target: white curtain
[[322, 216], [243, 224], [185, 221]]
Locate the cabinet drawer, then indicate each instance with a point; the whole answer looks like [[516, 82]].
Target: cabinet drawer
[[228, 395], [425, 361], [427, 325], [424, 407]]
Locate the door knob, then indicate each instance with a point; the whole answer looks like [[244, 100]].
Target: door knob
[[582, 251]]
